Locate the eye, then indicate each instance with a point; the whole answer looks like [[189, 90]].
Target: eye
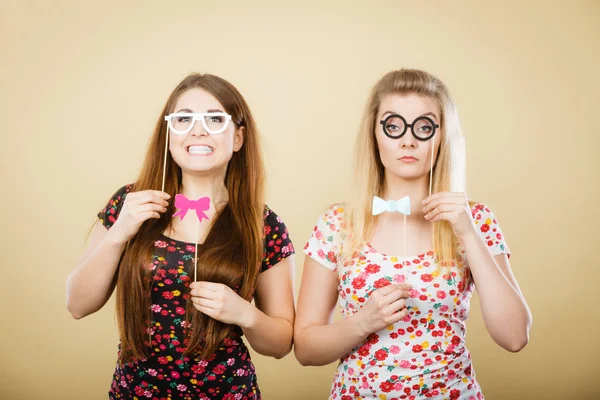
[[184, 119], [215, 119]]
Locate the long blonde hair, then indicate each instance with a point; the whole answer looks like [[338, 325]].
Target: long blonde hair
[[448, 171]]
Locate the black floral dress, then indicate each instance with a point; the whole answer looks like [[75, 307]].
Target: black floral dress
[[166, 373]]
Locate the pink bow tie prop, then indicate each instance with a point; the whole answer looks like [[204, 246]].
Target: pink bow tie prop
[[184, 205]]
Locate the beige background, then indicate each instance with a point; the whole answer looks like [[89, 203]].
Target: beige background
[[82, 83]]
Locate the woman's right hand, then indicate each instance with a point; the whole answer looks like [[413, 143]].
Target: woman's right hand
[[385, 307], [137, 208]]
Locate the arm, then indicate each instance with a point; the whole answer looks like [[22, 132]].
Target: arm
[[505, 313], [318, 341], [269, 326], [92, 282]]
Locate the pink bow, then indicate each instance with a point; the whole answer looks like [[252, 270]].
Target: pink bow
[[184, 204]]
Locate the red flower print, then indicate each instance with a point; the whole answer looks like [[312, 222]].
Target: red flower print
[[373, 338], [219, 369], [386, 386], [383, 282], [417, 348], [426, 277], [358, 283], [455, 340], [485, 228], [163, 360], [441, 294], [381, 354], [490, 243], [372, 268], [331, 257], [364, 350], [454, 394], [168, 295]]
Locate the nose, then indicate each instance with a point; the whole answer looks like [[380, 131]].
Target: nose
[[408, 141], [198, 129]]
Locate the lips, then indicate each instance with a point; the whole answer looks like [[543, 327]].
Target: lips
[[408, 159]]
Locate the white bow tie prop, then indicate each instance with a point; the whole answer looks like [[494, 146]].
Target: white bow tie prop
[[402, 206]]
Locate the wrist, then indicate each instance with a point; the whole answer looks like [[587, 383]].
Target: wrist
[[469, 238], [249, 316], [359, 325], [115, 239]]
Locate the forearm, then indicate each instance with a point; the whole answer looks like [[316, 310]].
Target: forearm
[[90, 285], [505, 312], [322, 345], [269, 336]]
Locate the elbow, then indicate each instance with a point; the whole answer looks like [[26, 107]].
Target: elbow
[[74, 311], [304, 358], [517, 345], [519, 341], [283, 352]]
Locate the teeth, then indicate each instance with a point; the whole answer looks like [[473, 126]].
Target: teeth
[[200, 150]]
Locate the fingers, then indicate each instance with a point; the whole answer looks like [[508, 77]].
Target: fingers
[[151, 207], [207, 290], [451, 217], [395, 295], [384, 291], [149, 196], [400, 315], [211, 312], [442, 208], [203, 285], [205, 303], [149, 214], [432, 202]]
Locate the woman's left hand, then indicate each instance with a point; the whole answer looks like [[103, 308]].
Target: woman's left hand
[[452, 207], [220, 302]]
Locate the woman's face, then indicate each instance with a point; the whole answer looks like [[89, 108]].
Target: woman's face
[[407, 157], [199, 150]]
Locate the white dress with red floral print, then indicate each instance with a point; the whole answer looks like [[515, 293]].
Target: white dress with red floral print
[[424, 355]]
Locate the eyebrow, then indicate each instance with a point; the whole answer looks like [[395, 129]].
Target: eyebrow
[[187, 110], [422, 115]]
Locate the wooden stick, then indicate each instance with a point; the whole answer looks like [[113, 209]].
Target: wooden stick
[[165, 159], [196, 251]]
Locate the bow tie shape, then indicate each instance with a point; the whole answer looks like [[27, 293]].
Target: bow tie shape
[[401, 206], [184, 204]]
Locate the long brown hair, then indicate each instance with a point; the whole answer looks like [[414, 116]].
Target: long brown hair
[[233, 249]]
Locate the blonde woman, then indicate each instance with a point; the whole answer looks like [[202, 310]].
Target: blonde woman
[[403, 257]]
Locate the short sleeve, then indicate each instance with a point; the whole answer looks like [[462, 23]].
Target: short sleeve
[[324, 244], [110, 212], [489, 229], [278, 245]]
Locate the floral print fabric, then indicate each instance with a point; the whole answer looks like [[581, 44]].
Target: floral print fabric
[[424, 355], [166, 373]]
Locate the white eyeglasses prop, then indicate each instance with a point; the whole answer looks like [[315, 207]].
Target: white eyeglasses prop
[[213, 122]]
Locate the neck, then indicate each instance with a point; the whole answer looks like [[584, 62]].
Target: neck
[[417, 189], [196, 185]]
